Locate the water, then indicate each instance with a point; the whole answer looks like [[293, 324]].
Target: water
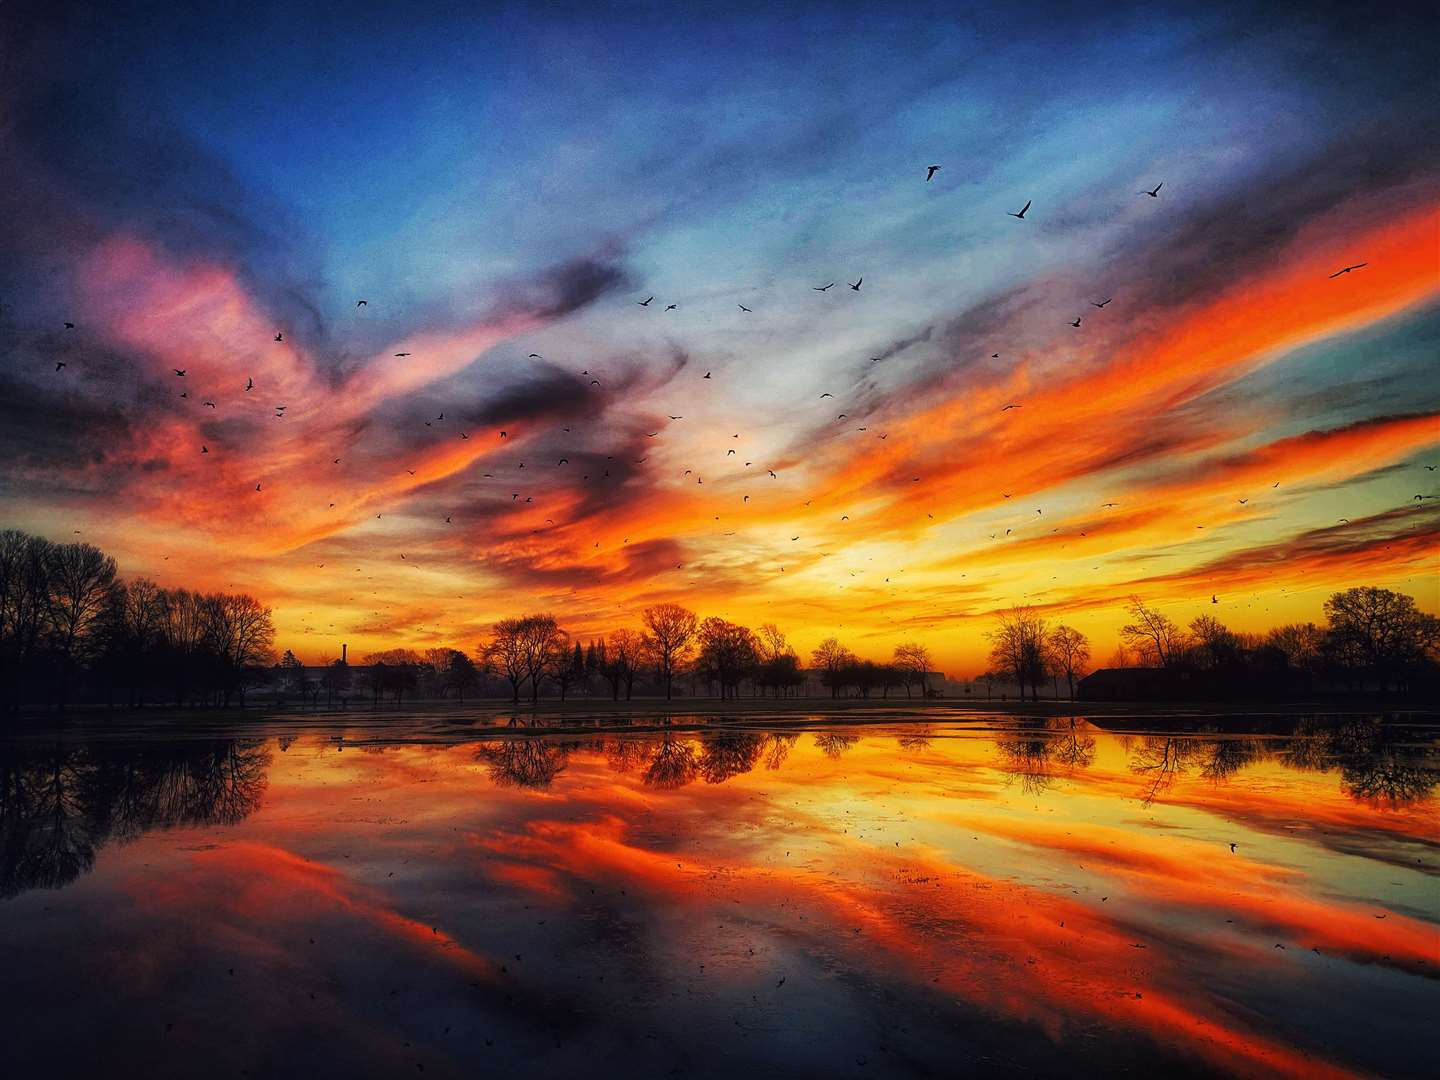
[[702, 897]]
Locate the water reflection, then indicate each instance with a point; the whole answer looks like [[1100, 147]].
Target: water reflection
[[60, 803]]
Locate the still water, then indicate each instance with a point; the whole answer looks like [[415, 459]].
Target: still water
[[931, 895]]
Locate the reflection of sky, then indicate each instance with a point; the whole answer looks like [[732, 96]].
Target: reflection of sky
[[1027, 895], [510, 182]]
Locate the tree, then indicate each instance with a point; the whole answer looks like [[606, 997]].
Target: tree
[[830, 657], [671, 630], [728, 653], [292, 674], [1379, 631], [506, 652], [1018, 648], [565, 668], [1215, 646], [912, 660], [1070, 651], [80, 577], [622, 657], [1300, 643], [1153, 634]]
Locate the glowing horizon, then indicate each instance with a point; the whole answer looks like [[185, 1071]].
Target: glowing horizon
[[1262, 423]]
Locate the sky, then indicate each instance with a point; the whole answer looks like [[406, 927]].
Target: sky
[[1237, 431]]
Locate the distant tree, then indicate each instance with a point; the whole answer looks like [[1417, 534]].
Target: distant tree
[[291, 674], [336, 680], [1018, 648], [80, 577], [508, 653], [1153, 634], [830, 658], [1070, 651], [1379, 631], [564, 666], [671, 630], [461, 674], [1214, 646], [1300, 643], [623, 655], [395, 672], [729, 653], [912, 660]]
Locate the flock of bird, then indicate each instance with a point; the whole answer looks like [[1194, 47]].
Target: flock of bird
[[563, 461]]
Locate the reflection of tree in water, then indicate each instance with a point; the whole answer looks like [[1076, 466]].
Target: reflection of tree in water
[[1377, 764], [526, 763], [60, 804], [673, 764], [778, 747], [834, 745], [730, 754], [1074, 746], [1026, 756], [626, 753], [1161, 760], [1228, 756], [916, 738]]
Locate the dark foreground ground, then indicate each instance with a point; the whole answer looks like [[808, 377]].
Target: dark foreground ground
[[708, 890]]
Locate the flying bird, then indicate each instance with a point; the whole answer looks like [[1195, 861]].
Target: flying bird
[[1076, 322], [1023, 209], [742, 307], [855, 285], [676, 417], [249, 385], [1154, 192], [706, 375], [208, 404], [59, 364], [672, 307], [822, 288], [279, 336], [1009, 407], [69, 326], [1347, 269], [645, 302], [361, 303], [205, 450], [179, 371], [402, 354], [1102, 303], [930, 172], [536, 356]]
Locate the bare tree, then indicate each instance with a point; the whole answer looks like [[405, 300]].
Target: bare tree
[[912, 660], [624, 655], [830, 657], [671, 630], [1018, 648], [506, 653], [1070, 651], [1153, 634]]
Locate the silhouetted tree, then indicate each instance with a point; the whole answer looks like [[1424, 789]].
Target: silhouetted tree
[[912, 661], [1153, 634], [1018, 648], [829, 658], [670, 630], [1069, 650], [728, 653]]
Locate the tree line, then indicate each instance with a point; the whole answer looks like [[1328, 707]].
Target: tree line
[[1373, 638], [69, 625]]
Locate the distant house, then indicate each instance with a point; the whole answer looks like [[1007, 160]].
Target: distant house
[[1134, 684]]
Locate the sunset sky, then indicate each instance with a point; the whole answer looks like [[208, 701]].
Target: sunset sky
[[184, 186]]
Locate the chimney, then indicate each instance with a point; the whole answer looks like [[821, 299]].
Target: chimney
[[342, 654]]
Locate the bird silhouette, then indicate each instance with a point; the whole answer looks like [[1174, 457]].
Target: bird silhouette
[[1022, 211], [249, 385], [706, 375], [671, 307], [1076, 322], [645, 302], [1154, 192], [1102, 303], [1007, 408], [930, 172], [855, 285], [822, 288], [59, 364], [402, 354], [279, 336], [361, 303], [205, 450], [179, 371], [742, 307], [1347, 269], [676, 417], [69, 326], [208, 404]]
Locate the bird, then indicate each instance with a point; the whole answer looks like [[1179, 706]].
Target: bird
[[1154, 192], [180, 372], [645, 302], [1214, 599], [706, 375], [855, 285], [676, 417], [1232, 849], [208, 404], [1007, 408], [930, 172], [205, 450], [361, 303], [1076, 322], [257, 487], [1104, 506], [672, 307], [1347, 269], [822, 288], [536, 356], [279, 336], [1023, 209], [69, 326], [742, 307], [402, 354], [249, 385], [563, 461], [1346, 521], [1243, 501], [59, 364], [825, 395], [1102, 303]]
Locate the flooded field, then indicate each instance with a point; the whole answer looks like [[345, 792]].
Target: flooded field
[[915, 895]]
